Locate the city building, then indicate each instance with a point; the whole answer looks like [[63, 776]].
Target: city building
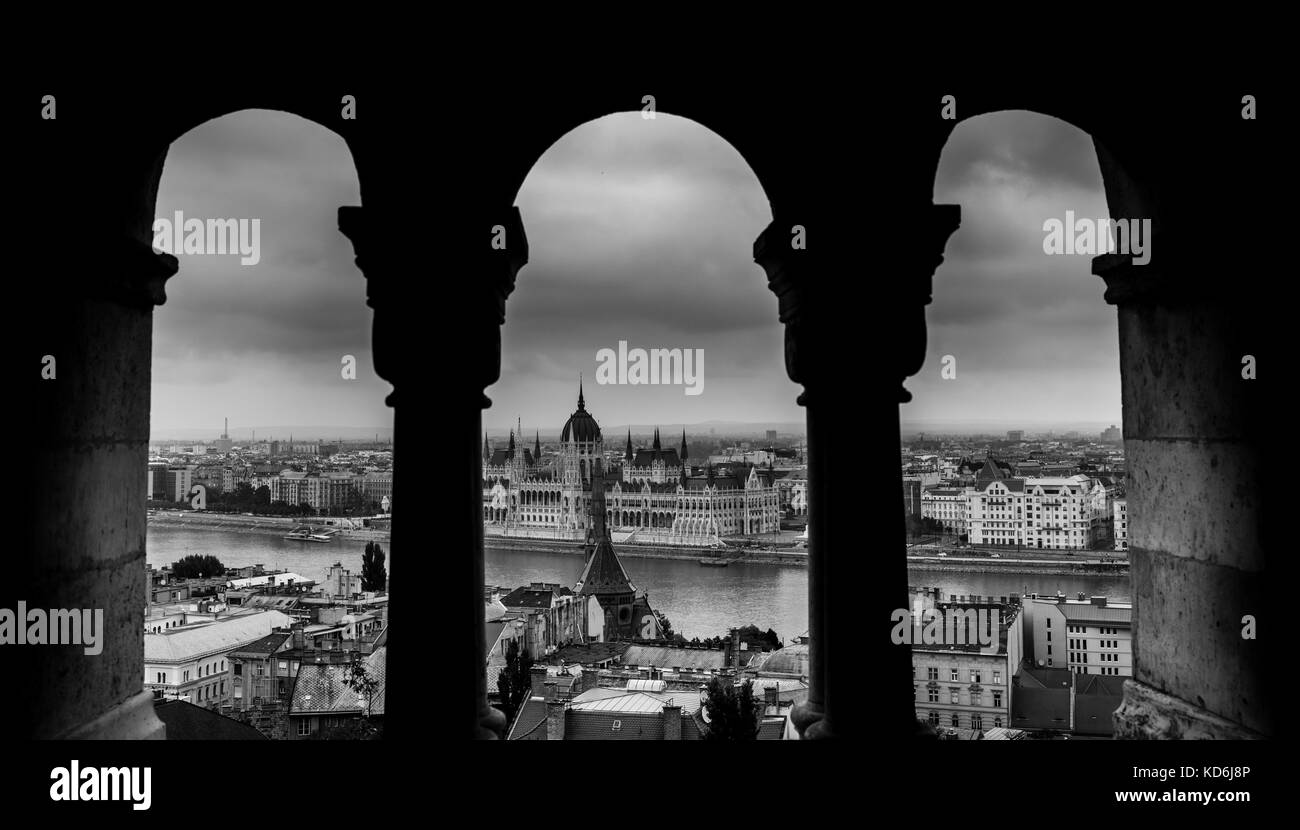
[[946, 505], [190, 662], [1087, 635], [655, 496], [1015, 436], [324, 698], [957, 685], [1120, 508]]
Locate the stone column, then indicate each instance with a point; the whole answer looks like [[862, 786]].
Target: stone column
[[86, 532], [1195, 487], [454, 396], [840, 572]]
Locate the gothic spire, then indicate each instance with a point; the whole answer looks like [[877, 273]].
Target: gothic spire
[[510, 452], [683, 452], [487, 448], [581, 403], [628, 453], [537, 446], [657, 446]]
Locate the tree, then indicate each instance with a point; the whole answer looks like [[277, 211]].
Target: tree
[[731, 710], [193, 565], [666, 628], [374, 576], [515, 683]]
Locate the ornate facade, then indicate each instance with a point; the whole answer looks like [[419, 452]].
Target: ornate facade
[[654, 497]]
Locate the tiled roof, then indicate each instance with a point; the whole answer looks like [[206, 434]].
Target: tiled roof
[[326, 684], [589, 653], [187, 722], [666, 657], [634, 702], [644, 458], [532, 716], [527, 597], [183, 644], [264, 647], [604, 573], [1096, 614]]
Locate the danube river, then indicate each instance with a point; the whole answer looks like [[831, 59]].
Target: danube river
[[699, 601]]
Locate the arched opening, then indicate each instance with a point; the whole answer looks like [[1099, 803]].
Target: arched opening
[[264, 330], [640, 236], [1010, 446]]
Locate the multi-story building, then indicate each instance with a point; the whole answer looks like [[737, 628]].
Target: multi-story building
[[1084, 635], [959, 686], [946, 505], [376, 486], [190, 662], [655, 495], [1054, 513], [1120, 512], [157, 482], [179, 481]]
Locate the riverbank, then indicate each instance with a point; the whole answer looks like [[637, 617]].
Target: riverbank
[[239, 523], [1063, 567], [631, 549]]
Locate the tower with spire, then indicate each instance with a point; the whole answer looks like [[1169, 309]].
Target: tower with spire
[[626, 612]]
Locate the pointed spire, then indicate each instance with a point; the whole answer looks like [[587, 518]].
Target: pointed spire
[[628, 454], [537, 446], [510, 451], [683, 452], [582, 404], [487, 448], [657, 445]]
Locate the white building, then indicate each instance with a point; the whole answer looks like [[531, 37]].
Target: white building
[[1120, 507], [1053, 513], [1086, 636], [189, 662], [946, 505]]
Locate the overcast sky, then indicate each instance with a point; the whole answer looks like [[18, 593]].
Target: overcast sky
[[1034, 341], [263, 344], [639, 230]]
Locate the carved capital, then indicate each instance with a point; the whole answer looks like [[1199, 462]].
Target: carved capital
[[938, 222], [135, 276], [788, 277]]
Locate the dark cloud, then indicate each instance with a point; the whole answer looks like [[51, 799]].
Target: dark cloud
[[1031, 334], [264, 343]]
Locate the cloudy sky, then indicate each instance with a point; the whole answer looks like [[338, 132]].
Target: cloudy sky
[[263, 344], [1033, 340], [640, 231]]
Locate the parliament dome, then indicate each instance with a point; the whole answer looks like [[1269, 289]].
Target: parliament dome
[[580, 427]]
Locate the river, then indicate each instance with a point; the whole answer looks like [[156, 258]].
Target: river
[[700, 602]]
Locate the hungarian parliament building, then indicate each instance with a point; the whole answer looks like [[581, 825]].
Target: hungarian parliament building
[[654, 495]]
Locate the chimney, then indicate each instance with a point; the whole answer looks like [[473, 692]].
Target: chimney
[[672, 722], [770, 695], [554, 713], [298, 635], [735, 649], [538, 677]]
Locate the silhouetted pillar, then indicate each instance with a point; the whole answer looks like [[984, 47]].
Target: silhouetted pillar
[[847, 582], [479, 301], [85, 534], [1195, 485]]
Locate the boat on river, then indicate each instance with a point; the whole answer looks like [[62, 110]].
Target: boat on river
[[305, 533]]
